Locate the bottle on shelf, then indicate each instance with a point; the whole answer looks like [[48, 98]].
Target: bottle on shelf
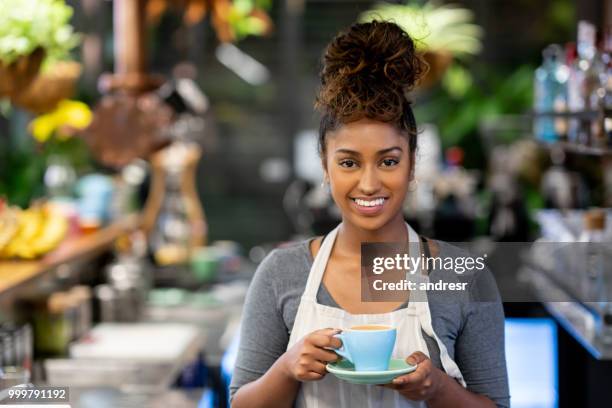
[[82, 298], [173, 217], [586, 89], [15, 354], [594, 226], [550, 94], [53, 325], [607, 59]]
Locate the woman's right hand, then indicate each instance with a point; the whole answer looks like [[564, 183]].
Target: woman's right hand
[[306, 360]]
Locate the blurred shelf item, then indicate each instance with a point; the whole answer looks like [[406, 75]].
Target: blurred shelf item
[[577, 318], [134, 356], [567, 270], [50, 87], [591, 114], [87, 397], [19, 74], [216, 312], [573, 147], [589, 150], [15, 274], [578, 321], [576, 148], [173, 216]]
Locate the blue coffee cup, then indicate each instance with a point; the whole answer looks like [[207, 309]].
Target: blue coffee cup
[[368, 347]]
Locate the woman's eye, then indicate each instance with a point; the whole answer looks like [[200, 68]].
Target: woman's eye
[[348, 163], [390, 162]]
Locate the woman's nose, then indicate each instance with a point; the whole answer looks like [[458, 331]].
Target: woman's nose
[[369, 182]]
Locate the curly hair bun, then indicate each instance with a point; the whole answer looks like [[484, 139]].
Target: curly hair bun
[[367, 72]]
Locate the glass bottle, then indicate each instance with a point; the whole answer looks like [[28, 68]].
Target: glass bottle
[[550, 94], [15, 354], [174, 216], [52, 326], [59, 178], [585, 89], [607, 60]]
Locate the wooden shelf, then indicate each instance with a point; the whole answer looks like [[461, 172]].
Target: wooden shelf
[[589, 150], [585, 115], [14, 274], [578, 148]]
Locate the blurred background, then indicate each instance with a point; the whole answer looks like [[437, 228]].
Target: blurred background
[[152, 152]]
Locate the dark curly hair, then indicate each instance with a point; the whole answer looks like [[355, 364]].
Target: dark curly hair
[[367, 72]]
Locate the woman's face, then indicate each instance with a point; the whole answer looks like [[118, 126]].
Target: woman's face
[[369, 166]]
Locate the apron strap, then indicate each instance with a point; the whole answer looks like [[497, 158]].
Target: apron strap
[[318, 265], [448, 364], [426, 253]]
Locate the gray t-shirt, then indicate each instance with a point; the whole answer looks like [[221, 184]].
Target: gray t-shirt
[[471, 329]]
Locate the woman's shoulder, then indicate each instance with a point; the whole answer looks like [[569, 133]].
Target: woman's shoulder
[[286, 258], [291, 251]]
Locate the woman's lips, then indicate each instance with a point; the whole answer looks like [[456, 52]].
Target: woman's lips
[[368, 207]]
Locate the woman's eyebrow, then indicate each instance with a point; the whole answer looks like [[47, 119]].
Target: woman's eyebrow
[[347, 151], [380, 152], [390, 149]]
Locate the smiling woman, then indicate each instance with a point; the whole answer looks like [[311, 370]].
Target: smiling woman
[[303, 295]]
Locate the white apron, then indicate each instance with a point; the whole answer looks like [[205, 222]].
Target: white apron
[[331, 392]]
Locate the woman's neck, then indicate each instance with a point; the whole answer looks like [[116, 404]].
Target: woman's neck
[[350, 237]]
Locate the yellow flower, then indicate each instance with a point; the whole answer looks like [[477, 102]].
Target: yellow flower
[[75, 114], [43, 127], [68, 114]]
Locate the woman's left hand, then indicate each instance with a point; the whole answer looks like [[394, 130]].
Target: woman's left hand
[[422, 384]]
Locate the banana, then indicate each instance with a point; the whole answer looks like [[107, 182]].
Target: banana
[[30, 223], [9, 224], [53, 232], [30, 233]]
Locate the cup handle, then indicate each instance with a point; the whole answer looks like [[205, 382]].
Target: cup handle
[[343, 351]]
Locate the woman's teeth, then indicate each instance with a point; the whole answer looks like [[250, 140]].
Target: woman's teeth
[[372, 203]]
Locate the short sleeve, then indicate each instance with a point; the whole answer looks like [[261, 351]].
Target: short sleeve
[[480, 345], [263, 333]]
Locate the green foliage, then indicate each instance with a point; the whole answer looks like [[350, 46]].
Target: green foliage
[[21, 174], [22, 166], [246, 18], [457, 81], [28, 24], [458, 108], [74, 149]]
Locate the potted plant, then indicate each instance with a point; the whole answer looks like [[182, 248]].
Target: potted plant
[[49, 87], [65, 154], [33, 34], [441, 32]]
